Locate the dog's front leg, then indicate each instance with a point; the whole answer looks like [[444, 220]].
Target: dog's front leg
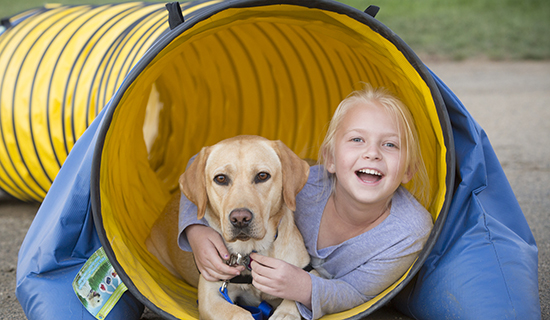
[[212, 305], [287, 310]]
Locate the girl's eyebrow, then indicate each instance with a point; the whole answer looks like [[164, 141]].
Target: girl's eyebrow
[[363, 131]]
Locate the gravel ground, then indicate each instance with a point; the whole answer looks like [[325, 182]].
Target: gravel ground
[[511, 102]]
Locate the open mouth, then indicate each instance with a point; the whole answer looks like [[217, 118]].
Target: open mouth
[[369, 175]]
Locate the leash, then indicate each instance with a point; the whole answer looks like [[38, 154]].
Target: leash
[[261, 312]]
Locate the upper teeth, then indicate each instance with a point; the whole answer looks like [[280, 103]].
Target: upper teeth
[[370, 171]]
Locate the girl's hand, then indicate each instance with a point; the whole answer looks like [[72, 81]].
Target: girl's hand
[[281, 279], [210, 252]]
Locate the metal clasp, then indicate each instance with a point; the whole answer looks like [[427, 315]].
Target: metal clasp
[[224, 286], [238, 259], [235, 259]]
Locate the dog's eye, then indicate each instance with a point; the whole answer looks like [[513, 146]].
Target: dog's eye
[[262, 177], [221, 179]]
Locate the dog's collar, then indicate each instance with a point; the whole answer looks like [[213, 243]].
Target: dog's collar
[[242, 279], [247, 279], [238, 259]]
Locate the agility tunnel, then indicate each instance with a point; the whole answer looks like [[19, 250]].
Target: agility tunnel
[[59, 67], [181, 79]]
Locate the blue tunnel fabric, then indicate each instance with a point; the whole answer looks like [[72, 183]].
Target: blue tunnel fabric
[[484, 265], [60, 240]]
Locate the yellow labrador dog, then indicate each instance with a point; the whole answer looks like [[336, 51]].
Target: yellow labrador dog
[[246, 189]]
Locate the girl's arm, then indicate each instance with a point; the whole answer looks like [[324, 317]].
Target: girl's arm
[[331, 296], [315, 296], [210, 252], [281, 279]]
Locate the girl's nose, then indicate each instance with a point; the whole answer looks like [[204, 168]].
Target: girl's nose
[[372, 153]]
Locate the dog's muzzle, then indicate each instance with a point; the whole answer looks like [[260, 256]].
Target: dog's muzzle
[[241, 221], [240, 218]]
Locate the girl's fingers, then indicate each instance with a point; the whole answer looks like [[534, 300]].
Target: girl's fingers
[[215, 269], [208, 277], [263, 260], [227, 272], [214, 274], [260, 269], [220, 247]]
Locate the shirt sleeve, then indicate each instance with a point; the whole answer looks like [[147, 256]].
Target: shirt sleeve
[[360, 285], [330, 296], [187, 217]]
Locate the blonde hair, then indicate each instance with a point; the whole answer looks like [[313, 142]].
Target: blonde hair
[[414, 162]]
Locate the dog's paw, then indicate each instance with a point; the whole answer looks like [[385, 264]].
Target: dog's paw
[[287, 310], [285, 316], [231, 313]]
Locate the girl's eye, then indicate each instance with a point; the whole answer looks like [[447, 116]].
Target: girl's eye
[[262, 177], [221, 179], [390, 145], [356, 139]]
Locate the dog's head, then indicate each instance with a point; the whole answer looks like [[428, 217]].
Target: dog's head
[[242, 184]]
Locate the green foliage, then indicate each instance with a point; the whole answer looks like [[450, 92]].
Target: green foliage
[[9, 8], [451, 29], [461, 29]]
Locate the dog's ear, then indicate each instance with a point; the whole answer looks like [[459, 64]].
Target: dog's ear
[[295, 173], [192, 182]]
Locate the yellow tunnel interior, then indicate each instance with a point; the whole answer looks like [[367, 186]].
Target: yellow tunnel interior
[[278, 71]]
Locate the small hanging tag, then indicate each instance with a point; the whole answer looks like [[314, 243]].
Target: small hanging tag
[[98, 286]]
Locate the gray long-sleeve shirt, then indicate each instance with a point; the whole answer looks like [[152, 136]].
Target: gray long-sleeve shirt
[[358, 269]]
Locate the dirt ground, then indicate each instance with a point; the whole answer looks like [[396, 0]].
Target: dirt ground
[[510, 100]]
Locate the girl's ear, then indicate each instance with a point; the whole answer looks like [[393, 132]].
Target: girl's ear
[[331, 167], [409, 174], [329, 161]]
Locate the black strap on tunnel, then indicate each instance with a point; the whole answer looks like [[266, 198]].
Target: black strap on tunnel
[[175, 17], [5, 22], [372, 10]]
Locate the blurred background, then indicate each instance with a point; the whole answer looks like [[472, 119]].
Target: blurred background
[[434, 29]]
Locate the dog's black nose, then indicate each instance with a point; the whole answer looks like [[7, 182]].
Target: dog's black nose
[[240, 218]]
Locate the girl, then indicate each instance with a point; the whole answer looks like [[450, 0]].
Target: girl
[[362, 229]]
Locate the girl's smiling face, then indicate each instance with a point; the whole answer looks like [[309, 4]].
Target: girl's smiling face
[[369, 158]]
